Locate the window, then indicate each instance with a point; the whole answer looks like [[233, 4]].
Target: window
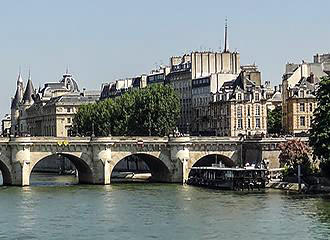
[[239, 96], [302, 121], [69, 120], [257, 96], [239, 123], [302, 94], [68, 109], [249, 111], [257, 110], [249, 123], [302, 107], [311, 107], [257, 122], [239, 111]]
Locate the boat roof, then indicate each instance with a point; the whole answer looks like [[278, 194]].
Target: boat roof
[[230, 169]]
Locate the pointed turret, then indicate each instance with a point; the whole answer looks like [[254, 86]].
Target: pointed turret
[[226, 38], [29, 91], [19, 92]]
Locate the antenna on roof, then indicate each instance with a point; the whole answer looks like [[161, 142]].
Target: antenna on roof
[[226, 37]]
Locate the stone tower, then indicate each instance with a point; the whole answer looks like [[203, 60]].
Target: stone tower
[[15, 104], [27, 102]]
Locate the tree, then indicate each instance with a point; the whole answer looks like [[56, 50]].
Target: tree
[[293, 153], [150, 111], [320, 133], [274, 120], [155, 111]]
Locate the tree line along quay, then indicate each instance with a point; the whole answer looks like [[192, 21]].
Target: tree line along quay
[[152, 111]]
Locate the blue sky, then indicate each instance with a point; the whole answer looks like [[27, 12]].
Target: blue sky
[[103, 40]]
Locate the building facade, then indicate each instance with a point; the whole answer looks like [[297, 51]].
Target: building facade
[[48, 111], [6, 125], [299, 86], [238, 108]]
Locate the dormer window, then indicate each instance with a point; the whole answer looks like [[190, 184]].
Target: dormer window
[[239, 96], [302, 94], [257, 97]]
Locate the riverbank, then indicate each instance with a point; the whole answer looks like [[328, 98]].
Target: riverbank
[[294, 187]]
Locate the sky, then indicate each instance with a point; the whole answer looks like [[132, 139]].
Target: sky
[[103, 40]]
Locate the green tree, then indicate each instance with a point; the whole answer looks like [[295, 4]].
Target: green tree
[[294, 152], [82, 122], [274, 120], [150, 111], [320, 133], [155, 111]]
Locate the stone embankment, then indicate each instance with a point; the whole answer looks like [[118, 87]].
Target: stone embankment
[[294, 187], [286, 186]]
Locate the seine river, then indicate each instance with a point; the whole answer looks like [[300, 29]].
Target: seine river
[[57, 210]]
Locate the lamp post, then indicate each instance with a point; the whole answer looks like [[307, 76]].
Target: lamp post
[[93, 130]]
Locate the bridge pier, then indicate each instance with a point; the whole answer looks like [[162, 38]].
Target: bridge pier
[[180, 156], [102, 160], [21, 165]]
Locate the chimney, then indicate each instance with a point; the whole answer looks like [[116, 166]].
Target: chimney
[[311, 77]]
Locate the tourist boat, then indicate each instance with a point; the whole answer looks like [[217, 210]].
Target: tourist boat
[[247, 178]]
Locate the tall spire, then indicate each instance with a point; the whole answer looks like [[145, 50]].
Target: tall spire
[[29, 74], [19, 78], [19, 91], [29, 91], [226, 37]]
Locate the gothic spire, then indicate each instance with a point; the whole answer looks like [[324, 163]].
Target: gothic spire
[[19, 91], [29, 91], [226, 37], [19, 79]]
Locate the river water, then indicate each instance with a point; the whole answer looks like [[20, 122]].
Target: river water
[[52, 208]]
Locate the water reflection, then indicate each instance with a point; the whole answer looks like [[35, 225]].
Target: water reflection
[[43, 179], [158, 211]]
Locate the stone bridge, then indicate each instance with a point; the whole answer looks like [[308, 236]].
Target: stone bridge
[[168, 158]]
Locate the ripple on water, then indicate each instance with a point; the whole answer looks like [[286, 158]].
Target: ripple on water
[[157, 211]]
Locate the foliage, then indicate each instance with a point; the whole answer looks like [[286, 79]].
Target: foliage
[[150, 111], [274, 120], [320, 133], [293, 153]]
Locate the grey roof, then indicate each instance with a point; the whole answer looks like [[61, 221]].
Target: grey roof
[[29, 91], [69, 82], [277, 97], [16, 100]]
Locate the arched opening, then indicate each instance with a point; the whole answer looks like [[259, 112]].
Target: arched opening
[[214, 160], [208, 160], [140, 168], [5, 176], [61, 169]]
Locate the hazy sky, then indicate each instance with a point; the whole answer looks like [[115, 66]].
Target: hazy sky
[[105, 40]]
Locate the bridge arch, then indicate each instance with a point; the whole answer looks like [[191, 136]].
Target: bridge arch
[[157, 164], [5, 170], [85, 172], [206, 160]]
